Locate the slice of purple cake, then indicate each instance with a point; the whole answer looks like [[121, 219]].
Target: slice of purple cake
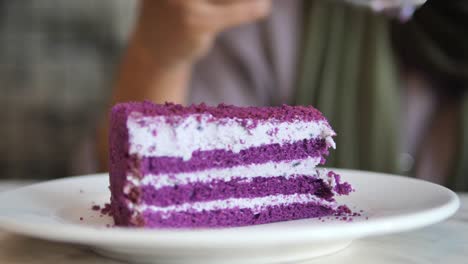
[[201, 166]]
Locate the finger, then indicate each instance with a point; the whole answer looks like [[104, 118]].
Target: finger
[[222, 2], [236, 12]]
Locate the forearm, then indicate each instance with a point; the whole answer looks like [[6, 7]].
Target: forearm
[[142, 77]]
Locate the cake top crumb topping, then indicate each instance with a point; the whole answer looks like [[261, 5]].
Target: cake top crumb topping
[[281, 113]]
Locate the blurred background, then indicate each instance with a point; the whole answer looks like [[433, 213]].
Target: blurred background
[[57, 64], [391, 81]]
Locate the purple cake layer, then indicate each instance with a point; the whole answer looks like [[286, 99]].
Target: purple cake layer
[[280, 113], [120, 212], [232, 217], [118, 164], [235, 188], [202, 160]]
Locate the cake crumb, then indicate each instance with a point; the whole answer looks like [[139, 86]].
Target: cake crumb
[[81, 218], [106, 210], [96, 208]]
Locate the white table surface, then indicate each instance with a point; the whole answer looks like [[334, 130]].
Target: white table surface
[[445, 242]]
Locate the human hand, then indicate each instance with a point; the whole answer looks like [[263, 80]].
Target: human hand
[[180, 31]]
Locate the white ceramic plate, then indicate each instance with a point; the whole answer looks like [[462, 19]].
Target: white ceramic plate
[[52, 211]]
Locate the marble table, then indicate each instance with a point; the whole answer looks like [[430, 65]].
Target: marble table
[[445, 242]]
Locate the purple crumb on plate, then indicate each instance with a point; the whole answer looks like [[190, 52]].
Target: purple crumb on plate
[[106, 210], [96, 208], [342, 188]]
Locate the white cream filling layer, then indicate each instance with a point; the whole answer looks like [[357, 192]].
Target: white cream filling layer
[[154, 136], [256, 204], [247, 173]]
